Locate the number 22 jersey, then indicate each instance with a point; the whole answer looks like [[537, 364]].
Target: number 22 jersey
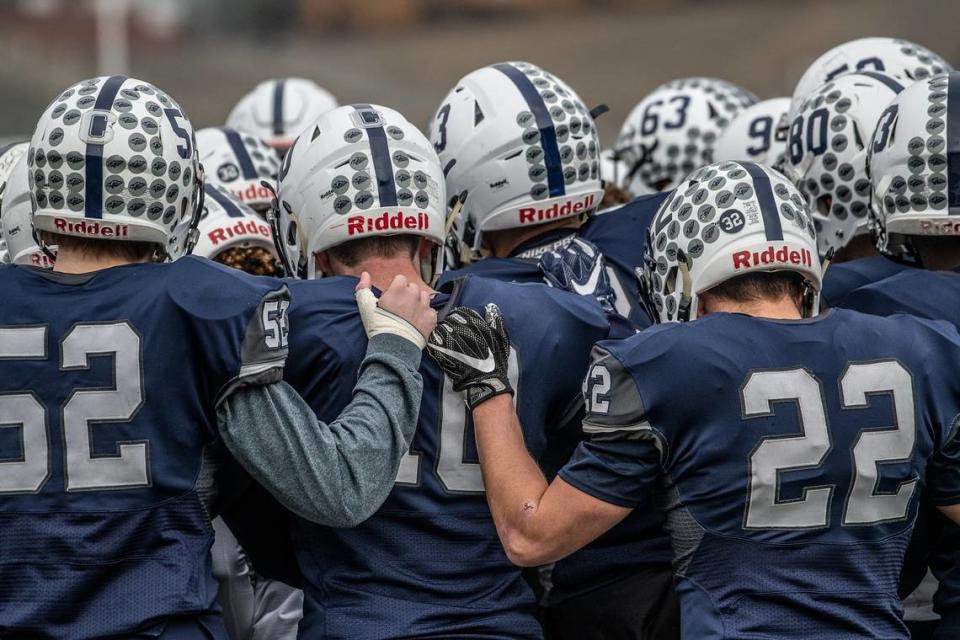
[[429, 563], [790, 456]]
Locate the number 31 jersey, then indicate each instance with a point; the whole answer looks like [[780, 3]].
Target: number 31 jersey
[[429, 563], [791, 456], [108, 386]]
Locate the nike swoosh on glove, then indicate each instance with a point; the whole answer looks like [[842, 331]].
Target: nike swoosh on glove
[[472, 351], [581, 269]]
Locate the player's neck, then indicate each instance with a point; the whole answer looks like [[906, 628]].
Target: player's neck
[[72, 262], [861, 246], [502, 243], [383, 270], [782, 309]]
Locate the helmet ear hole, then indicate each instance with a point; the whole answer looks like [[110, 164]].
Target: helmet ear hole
[[823, 205], [670, 280]]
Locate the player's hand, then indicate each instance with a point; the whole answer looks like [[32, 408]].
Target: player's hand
[[581, 269], [473, 351], [402, 310]]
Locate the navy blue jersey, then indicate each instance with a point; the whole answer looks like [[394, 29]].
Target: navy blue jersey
[[841, 279], [429, 563], [791, 456], [108, 386], [621, 235]]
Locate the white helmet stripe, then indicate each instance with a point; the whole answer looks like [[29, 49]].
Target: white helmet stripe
[[380, 154], [768, 206], [548, 135], [247, 169], [93, 161], [278, 128]]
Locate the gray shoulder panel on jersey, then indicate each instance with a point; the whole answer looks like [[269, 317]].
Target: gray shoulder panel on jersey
[[615, 409]]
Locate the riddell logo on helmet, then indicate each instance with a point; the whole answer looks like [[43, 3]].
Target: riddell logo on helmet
[[253, 192], [533, 215], [388, 222], [222, 234], [944, 228], [772, 255], [96, 229]]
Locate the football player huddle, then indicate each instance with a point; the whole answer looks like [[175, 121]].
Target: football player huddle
[[318, 373]]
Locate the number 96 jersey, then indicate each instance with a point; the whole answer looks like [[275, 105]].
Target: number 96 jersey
[[108, 388], [791, 456]]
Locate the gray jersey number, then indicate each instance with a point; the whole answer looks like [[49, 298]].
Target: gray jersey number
[[864, 505], [81, 413], [455, 475]]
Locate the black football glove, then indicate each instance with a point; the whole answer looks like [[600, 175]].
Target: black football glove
[[579, 268], [473, 352]]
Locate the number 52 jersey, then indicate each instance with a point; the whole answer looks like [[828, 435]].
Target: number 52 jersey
[[790, 456]]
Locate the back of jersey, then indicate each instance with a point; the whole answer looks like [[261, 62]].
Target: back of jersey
[[108, 383], [429, 563], [793, 455]]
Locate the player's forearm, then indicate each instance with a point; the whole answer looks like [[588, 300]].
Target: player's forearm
[[336, 474], [512, 479]]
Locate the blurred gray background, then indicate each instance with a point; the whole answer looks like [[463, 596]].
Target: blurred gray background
[[408, 53]]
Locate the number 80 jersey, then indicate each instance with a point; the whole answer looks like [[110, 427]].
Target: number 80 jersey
[[108, 387], [791, 456]]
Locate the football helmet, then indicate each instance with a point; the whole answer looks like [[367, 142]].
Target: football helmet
[[827, 152], [226, 222], [15, 226], [9, 155], [359, 171], [519, 146], [901, 59], [674, 129], [725, 220], [909, 166], [277, 110], [240, 163], [613, 169], [115, 158], [757, 134]]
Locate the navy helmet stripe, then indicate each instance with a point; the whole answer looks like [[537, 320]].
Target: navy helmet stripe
[[548, 135], [247, 170], [228, 205], [894, 86], [953, 142], [768, 206], [278, 88], [382, 164], [93, 162]]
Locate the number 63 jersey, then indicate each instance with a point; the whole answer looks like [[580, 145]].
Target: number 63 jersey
[[108, 386], [790, 456], [428, 563]]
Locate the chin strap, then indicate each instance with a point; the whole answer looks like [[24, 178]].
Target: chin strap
[[686, 295]]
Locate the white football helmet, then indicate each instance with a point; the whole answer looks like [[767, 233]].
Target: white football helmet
[[519, 146], [15, 225], [226, 222], [901, 59], [757, 134], [914, 189], [9, 156], [277, 110], [725, 220], [358, 171], [674, 129], [827, 152], [613, 169], [240, 163], [115, 158]]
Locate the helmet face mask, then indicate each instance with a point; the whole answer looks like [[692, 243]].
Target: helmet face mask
[[522, 146], [376, 175], [827, 152], [674, 129], [115, 158], [908, 168], [725, 220]]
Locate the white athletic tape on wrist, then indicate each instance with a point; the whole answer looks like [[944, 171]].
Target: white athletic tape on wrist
[[377, 320]]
